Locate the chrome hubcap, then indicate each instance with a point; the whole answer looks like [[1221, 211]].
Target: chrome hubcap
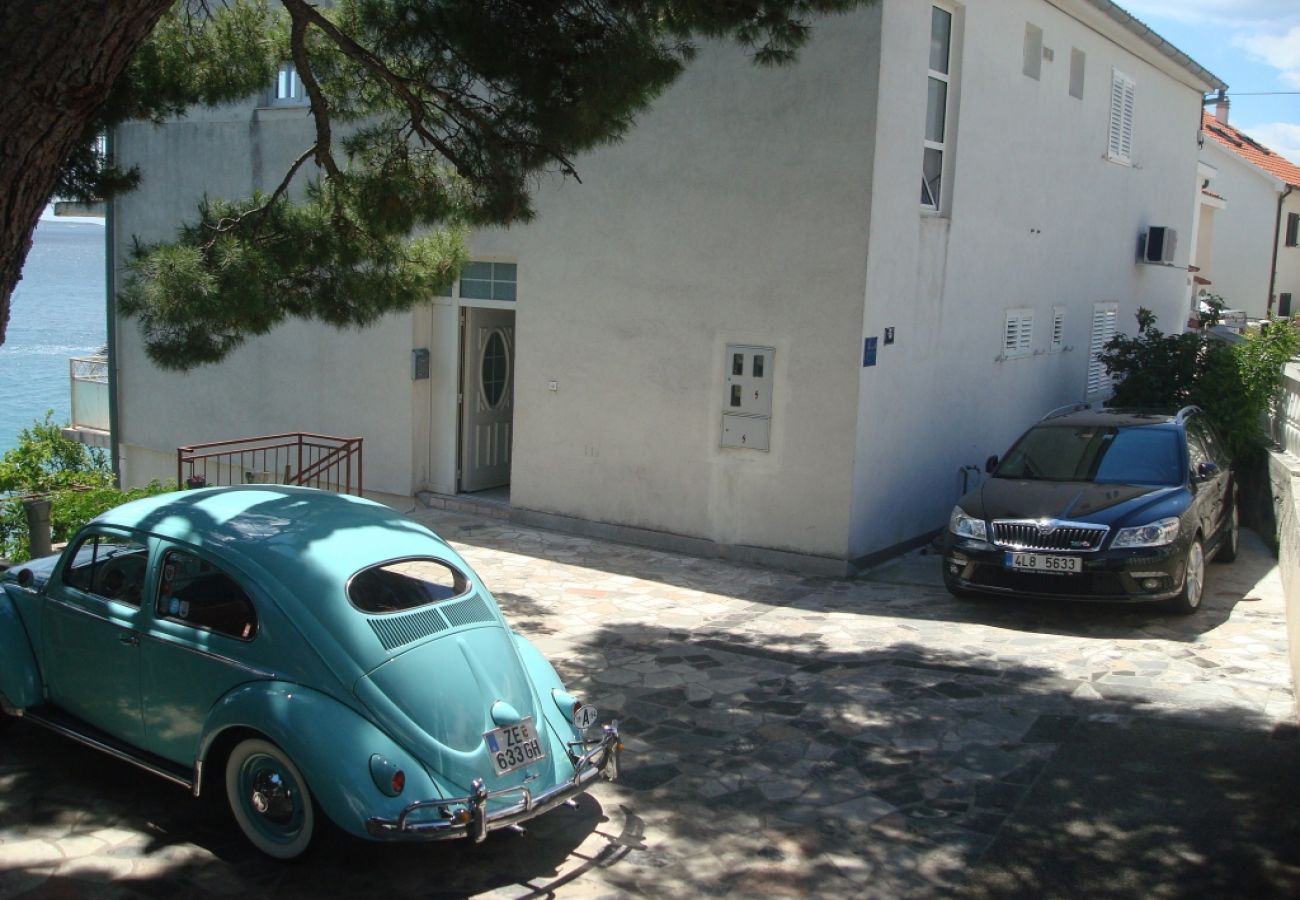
[[271, 797]]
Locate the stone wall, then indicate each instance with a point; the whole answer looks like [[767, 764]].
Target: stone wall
[[1284, 473]]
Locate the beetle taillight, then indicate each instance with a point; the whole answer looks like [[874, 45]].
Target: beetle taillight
[[399, 781]]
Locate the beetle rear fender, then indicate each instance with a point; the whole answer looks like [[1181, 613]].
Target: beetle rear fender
[[328, 741], [20, 679]]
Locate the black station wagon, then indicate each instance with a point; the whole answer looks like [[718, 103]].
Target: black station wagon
[[1099, 504]]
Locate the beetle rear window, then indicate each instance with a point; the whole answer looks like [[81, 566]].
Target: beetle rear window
[[405, 584]]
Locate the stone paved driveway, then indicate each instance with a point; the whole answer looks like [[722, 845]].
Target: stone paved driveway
[[790, 736]]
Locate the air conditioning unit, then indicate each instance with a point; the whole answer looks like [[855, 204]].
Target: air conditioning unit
[[1158, 245]]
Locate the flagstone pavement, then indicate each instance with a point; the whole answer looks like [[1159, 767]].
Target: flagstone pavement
[[790, 736]]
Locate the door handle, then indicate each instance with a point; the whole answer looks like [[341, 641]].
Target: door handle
[[128, 638]]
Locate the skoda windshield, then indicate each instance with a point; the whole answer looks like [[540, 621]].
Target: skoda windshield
[[1097, 453]]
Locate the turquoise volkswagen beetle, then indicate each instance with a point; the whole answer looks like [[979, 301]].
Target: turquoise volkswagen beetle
[[314, 654]]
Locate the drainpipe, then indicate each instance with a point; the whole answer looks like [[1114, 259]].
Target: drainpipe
[[110, 306], [1277, 237]]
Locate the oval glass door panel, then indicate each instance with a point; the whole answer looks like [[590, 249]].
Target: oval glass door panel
[[494, 373]]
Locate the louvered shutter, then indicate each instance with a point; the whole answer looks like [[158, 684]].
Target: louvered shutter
[[1123, 94], [1018, 334], [1104, 316], [1058, 328]]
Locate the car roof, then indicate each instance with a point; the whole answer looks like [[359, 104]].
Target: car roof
[[1109, 417], [280, 527]]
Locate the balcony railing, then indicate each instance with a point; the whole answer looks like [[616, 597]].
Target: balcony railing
[[314, 460], [88, 378]]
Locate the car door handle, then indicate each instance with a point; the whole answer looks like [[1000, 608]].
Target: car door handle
[[128, 638]]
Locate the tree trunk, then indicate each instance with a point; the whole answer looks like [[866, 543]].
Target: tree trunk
[[58, 60]]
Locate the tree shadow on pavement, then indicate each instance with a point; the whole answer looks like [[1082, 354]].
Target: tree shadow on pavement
[[779, 766]]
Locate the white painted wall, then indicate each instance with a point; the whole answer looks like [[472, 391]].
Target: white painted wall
[[1039, 218], [734, 214], [1241, 253]]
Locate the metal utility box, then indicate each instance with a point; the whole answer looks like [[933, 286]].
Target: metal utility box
[[747, 405]]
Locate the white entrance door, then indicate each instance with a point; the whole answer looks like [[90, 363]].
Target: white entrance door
[[487, 398]]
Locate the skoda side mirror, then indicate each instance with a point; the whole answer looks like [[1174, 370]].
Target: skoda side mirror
[[1206, 470], [991, 463]]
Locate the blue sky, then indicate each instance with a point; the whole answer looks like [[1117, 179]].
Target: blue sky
[[1253, 45]]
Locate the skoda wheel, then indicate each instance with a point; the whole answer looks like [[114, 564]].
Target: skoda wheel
[[269, 798], [1189, 599]]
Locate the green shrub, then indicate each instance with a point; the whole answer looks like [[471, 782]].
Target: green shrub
[[77, 479], [70, 508], [1236, 384], [45, 460]]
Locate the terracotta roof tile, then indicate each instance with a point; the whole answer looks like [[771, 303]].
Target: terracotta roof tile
[[1251, 150]]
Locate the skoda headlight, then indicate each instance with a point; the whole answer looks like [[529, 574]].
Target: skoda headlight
[[1157, 534], [966, 526]]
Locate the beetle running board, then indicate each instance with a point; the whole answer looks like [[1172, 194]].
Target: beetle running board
[[90, 736]]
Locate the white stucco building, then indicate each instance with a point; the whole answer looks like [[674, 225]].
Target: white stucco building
[[782, 320], [1248, 221]]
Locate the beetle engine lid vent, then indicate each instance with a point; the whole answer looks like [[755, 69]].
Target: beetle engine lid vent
[[467, 612], [394, 631]]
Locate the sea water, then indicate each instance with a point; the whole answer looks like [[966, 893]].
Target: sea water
[[58, 312]]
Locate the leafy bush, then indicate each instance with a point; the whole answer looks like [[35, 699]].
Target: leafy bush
[[77, 479], [70, 508], [45, 460], [1236, 384]]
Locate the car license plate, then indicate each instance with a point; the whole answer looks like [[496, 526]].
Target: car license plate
[[514, 746], [1041, 562]]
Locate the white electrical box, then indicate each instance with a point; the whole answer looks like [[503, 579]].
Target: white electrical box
[[747, 405]]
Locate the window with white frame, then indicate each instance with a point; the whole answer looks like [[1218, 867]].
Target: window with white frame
[[1104, 317], [289, 90], [1058, 329], [1018, 333], [1119, 142], [937, 108]]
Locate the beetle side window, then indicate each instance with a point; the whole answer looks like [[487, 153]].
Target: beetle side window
[[194, 592], [405, 584], [109, 566]]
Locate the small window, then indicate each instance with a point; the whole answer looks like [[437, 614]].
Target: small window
[[1078, 64], [109, 566], [937, 110], [196, 593], [288, 89], [758, 365], [1284, 305], [406, 584], [1058, 329], [1033, 51], [1292, 229], [1018, 334], [1123, 93], [488, 281]]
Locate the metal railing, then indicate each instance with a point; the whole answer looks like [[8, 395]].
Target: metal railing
[[88, 379], [314, 460]]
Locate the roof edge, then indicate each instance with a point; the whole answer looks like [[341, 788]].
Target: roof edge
[[1114, 14]]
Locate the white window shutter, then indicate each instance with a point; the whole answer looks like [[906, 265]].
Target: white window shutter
[[1104, 317], [1018, 333], [1123, 97]]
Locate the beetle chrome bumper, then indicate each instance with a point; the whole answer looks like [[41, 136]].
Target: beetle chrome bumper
[[472, 819]]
